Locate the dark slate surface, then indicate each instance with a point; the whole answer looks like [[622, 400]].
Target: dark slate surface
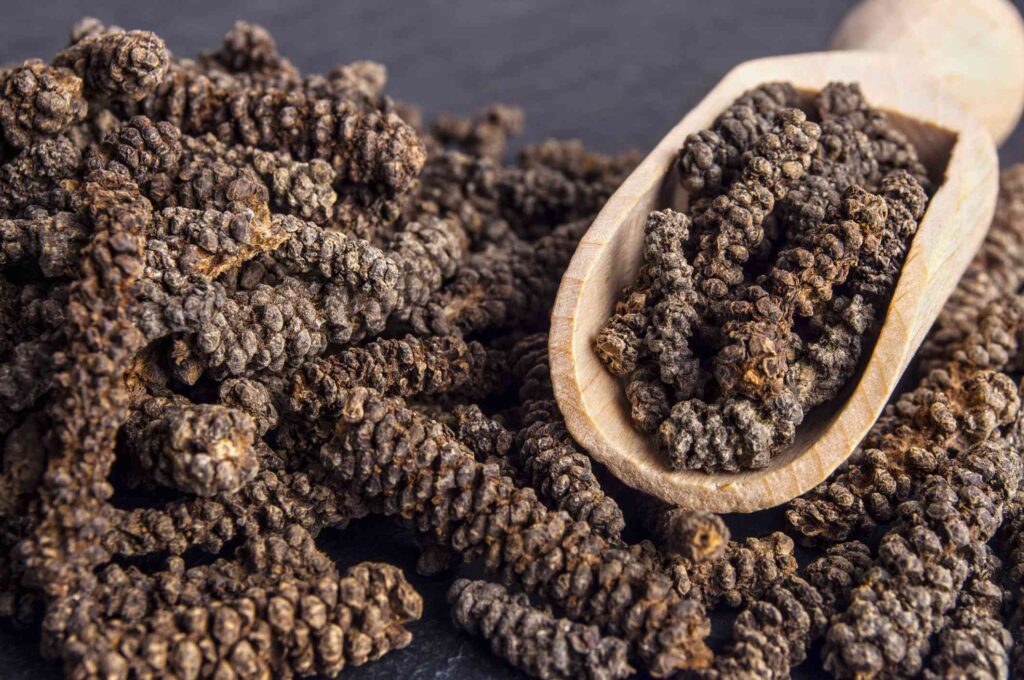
[[614, 74]]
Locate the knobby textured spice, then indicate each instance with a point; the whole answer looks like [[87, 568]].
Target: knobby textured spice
[[755, 306], [694, 535], [240, 305], [1013, 554], [401, 463], [962, 397], [202, 449], [774, 632], [533, 639], [746, 569], [975, 642], [546, 456], [923, 562]]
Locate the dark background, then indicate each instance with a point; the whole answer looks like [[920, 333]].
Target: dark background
[[614, 74]]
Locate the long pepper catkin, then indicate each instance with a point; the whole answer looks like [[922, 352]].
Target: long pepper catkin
[[404, 464], [755, 304], [241, 304], [534, 640]]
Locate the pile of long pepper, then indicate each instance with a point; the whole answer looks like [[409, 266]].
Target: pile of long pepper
[[241, 305], [756, 304]]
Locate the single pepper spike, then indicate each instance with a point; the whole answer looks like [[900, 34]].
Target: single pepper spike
[[361, 80], [249, 50], [201, 449], [118, 65], [204, 181], [141, 148], [209, 243], [693, 535], [409, 367], [992, 341], [546, 457], [534, 640], [827, 363], [620, 342], [488, 438], [648, 397], [37, 100], [676, 312]]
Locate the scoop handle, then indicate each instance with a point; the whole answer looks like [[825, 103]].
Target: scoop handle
[[975, 48]]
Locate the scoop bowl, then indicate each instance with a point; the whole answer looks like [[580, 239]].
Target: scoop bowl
[[961, 159]]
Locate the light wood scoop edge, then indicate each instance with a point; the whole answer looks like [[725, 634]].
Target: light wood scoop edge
[[593, 401]]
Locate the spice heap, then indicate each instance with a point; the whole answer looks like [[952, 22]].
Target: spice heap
[[754, 306], [241, 305]]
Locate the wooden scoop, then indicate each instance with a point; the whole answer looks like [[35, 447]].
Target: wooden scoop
[[978, 48]]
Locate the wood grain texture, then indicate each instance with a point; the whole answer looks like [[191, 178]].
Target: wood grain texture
[[954, 146], [975, 48]]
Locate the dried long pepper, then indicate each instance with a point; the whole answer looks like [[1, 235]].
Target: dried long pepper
[[240, 305], [534, 640], [923, 562], [974, 643], [548, 459], [960, 399], [774, 632], [403, 464], [755, 305]]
